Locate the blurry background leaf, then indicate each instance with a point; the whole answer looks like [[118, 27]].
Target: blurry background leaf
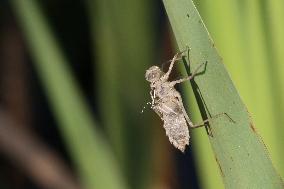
[[123, 37], [89, 150]]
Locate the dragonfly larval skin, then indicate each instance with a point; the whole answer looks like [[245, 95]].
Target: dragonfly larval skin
[[167, 103]]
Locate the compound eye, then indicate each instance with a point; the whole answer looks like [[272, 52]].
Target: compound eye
[[154, 75]]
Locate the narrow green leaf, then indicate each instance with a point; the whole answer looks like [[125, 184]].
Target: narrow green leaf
[[274, 12], [124, 47], [226, 29], [239, 151], [106, 53], [244, 24], [89, 150]]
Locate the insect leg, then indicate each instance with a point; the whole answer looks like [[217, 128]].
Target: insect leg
[[175, 59], [189, 77], [153, 96], [214, 117], [178, 54]]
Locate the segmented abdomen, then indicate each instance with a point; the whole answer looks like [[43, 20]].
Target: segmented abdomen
[[177, 131], [175, 124]]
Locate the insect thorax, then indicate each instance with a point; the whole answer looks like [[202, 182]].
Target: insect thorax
[[163, 90]]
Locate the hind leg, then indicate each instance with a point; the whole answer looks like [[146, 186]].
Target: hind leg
[[176, 58], [211, 118], [189, 122]]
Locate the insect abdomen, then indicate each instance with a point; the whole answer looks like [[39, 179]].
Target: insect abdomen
[[177, 130]]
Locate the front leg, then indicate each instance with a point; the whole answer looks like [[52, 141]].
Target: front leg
[[153, 96], [175, 59]]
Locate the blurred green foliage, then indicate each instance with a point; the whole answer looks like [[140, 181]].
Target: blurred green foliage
[[123, 35], [89, 150], [249, 37]]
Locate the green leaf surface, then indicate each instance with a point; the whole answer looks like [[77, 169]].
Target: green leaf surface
[[239, 151], [90, 152], [246, 25], [226, 29]]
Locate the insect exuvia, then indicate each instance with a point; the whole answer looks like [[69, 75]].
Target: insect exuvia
[[167, 103]]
